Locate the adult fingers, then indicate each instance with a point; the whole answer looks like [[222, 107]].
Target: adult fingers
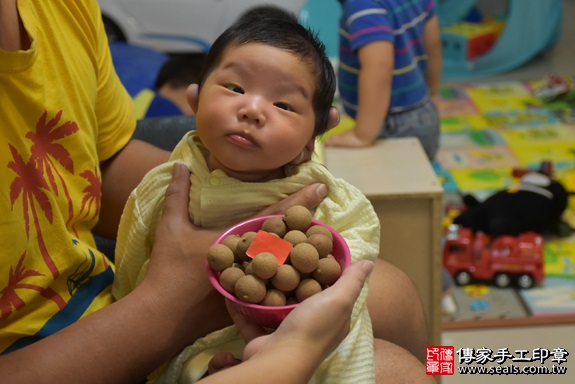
[[333, 306], [247, 329], [352, 280], [336, 300], [177, 194], [341, 296], [221, 360]]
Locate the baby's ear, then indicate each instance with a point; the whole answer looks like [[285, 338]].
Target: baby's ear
[[332, 118], [192, 94]]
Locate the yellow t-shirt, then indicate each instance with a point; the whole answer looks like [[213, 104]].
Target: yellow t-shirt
[[63, 110]]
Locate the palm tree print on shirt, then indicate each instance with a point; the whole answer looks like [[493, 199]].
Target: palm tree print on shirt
[[92, 193], [45, 148], [38, 176], [35, 179], [9, 298], [29, 184]]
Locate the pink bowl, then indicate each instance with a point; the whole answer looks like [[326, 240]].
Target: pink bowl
[[271, 316]]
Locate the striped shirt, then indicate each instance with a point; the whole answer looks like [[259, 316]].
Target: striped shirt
[[397, 21]]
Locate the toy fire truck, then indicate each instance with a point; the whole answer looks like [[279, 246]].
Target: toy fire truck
[[469, 256]]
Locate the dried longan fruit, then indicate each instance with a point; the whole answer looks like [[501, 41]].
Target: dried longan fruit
[[274, 298], [264, 265], [298, 217], [319, 229], [304, 257], [275, 225], [229, 277], [328, 271], [286, 278], [295, 237], [322, 243], [307, 288], [251, 289], [231, 241], [220, 257], [243, 245], [248, 268]]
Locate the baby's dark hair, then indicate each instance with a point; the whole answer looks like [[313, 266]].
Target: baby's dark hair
[[280, 29]]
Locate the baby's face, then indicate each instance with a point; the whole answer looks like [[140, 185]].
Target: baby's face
[[255, 111]]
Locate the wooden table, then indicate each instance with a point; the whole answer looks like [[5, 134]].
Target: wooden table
[[398, 179]]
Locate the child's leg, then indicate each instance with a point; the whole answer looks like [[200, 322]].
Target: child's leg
[[396, 310]]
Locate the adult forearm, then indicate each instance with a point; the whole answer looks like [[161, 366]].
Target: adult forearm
[[120, 175], [118, 344]]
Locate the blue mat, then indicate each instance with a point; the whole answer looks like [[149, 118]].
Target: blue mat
[[136, 66]]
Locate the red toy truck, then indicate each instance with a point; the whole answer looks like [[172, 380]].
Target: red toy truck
[[503, 260]]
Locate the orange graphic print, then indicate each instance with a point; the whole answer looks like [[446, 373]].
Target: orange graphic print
[[37, 176], [9, 298], [92, 193], [32, 187], [48, 172], [45, 148]]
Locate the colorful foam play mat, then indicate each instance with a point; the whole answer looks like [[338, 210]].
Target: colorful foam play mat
[[488, 131]]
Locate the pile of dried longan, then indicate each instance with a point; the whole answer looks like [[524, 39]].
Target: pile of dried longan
[[263, 278]]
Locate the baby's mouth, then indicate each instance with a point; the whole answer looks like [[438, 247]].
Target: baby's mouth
[[243, 140]]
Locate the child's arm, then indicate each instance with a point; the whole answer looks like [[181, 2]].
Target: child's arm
[[432, 46], [376, 60], [374, 87]]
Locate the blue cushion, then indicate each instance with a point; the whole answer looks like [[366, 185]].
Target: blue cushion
[[136, 66]]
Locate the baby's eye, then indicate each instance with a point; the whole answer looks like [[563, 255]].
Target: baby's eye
[[283, 106], [235, 88]]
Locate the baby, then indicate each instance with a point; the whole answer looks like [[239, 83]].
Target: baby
[[264, 95]]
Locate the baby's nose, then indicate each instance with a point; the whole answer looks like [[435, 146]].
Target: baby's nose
[[253, 110]]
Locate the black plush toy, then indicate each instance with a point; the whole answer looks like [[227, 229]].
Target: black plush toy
[[537, 204]]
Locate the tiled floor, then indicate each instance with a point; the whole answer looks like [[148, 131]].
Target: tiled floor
[[559, 60]]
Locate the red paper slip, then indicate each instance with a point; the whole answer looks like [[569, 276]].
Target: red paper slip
[[267, 242]]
